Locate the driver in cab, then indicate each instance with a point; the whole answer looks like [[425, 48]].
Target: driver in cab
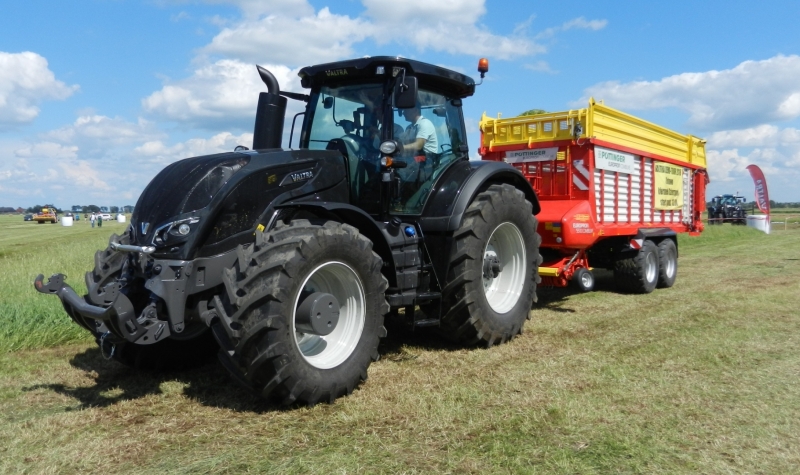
[[419, 138]]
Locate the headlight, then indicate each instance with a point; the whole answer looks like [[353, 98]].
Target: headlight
[[389, 147], [177, 229]]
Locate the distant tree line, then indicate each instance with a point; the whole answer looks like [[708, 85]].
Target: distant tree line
[[37, 208]]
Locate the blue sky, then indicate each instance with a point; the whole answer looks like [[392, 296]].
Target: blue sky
[[97, 96]]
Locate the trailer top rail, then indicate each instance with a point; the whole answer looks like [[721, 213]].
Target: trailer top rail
[[598, 123]]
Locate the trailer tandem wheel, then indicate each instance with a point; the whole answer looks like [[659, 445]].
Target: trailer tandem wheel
[[667, 263], [638, 274]]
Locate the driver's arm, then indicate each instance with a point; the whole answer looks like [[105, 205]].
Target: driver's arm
[[415, 146]]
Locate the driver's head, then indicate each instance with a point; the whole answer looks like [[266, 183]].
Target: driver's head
[[411, 114]]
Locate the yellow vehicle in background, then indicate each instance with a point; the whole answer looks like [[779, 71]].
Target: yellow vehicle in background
[[46, 215]]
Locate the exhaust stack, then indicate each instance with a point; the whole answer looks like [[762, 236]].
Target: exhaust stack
[[268, 130]]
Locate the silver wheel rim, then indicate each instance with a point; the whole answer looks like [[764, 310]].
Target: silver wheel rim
[[341, 281], [505, 244], [650, 266], [586, 280], [670, 265]]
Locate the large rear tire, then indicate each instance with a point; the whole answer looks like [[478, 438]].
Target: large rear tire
[[667, 263], [191, 348], [274, 346], [638, 274], [494, 269]]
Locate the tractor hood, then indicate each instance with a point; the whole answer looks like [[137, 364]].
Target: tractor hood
[[203, 206], [182, 187]]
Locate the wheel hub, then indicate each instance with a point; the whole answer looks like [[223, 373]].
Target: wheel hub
[[334, 291], [491, 266], [318, 314]]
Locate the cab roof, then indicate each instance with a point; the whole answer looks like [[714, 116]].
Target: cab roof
[[442, 80]]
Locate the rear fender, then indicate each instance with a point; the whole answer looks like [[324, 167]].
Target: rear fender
[[446, 207]]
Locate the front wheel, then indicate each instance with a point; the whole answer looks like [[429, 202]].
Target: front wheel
[[306, 305], [491, 283]]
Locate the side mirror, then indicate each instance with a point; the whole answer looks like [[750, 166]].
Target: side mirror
[[327, 103], [405, 92]]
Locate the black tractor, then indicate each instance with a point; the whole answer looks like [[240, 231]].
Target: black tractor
[[727, 209], [288, 260]]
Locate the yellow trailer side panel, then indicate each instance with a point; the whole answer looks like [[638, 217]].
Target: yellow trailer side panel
[[598, 122]]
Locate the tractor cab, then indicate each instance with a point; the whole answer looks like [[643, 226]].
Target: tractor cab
[[371, 110]]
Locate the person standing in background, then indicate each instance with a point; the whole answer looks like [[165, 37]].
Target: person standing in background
[[92, 219]]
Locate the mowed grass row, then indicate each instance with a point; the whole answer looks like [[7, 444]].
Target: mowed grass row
[[699, 378], [29, 319]]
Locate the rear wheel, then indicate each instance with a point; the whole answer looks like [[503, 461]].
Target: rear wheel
[[304, 312], [493, 273], [667, 263], [638, 274]]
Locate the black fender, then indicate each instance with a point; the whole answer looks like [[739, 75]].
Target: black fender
[[658, 234], [452, 194], [356, 217], [445, 208]]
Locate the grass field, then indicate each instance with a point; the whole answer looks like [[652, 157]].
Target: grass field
[[699, 378]]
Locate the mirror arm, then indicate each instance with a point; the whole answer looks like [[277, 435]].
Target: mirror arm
[[296, 96]]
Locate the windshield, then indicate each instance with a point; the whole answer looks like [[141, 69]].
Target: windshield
[[356, 118]]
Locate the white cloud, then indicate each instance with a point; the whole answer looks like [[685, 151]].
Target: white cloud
[[52, 166], [584, 24], [446, 25], [461, 12], [219, 95], [790, 108], [752, 93], [95, 134], [26, 81], [469, 39], [540, 66], [764, 135], [222, 142], [725, 165], [257, 8], [294, 41], [82, 174], [579, 23], [46, 150], [271, 34], [775, 150]]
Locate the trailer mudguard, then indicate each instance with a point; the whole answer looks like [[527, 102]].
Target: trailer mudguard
[[657, 235]]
